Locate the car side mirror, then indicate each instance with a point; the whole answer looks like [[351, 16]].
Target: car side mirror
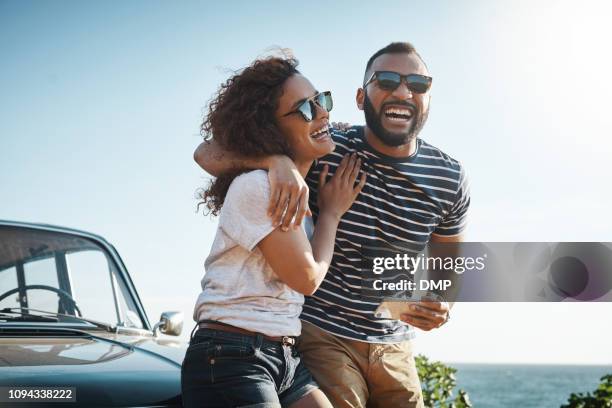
[[170, 323]]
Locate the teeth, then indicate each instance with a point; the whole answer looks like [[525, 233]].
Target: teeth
[[396, 111], [319, 132]]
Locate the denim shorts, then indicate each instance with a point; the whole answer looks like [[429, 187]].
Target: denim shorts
[[223, 369]]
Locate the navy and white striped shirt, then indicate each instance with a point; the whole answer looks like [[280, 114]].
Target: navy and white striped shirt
[[404, 201]]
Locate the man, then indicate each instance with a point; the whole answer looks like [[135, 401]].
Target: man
[[414, 194]]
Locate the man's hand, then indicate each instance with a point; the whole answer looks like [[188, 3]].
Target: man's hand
[[288, 193], [426, 315], [343, 126]]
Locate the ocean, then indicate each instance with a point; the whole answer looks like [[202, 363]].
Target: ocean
[[525, 386]]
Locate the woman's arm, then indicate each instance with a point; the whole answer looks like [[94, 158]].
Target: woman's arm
[[301, 264]]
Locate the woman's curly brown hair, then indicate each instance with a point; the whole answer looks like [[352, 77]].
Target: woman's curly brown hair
[[241, 118]]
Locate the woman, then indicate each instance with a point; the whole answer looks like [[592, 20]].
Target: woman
[[243, 353]]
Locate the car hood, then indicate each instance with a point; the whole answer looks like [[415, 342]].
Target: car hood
[[107, 369]]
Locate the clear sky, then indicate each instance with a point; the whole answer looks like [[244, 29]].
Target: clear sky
[[100, 106]]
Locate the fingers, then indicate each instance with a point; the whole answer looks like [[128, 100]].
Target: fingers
[[359, 186], [274, 198], [423, 317], [429, 313], [353, 175], [302, 208], [436, 306], [342, 167], [341, 125], [292, 208], [279, 208], [419, 322], [323, 176], [354, 171], [338, 193], [288, 193], [346, 175]]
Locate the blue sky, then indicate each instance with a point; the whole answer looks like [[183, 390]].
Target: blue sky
[[100, 107]]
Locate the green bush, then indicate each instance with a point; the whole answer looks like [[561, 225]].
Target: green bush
[[601, 397], [437, 384]]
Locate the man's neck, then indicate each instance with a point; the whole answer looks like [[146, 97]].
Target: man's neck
[[405, 150]]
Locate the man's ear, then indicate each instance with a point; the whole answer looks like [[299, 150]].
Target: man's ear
[[359, 98]]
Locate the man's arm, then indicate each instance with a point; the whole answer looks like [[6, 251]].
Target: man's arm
[[215, 160], [288, 190], [428, 315], [435, 238]]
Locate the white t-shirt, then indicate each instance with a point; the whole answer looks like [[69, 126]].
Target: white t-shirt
[[239, 286]]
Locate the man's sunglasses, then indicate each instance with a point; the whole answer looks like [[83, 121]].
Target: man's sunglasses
[[308, 108], [389, 81]]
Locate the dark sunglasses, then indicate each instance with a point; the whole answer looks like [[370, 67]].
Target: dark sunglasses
[[308, 108], [389, 81]]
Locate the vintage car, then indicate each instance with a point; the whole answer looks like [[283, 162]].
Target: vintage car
[[73, 331]]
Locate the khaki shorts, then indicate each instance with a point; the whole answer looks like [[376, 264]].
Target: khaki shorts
[[356, 374]]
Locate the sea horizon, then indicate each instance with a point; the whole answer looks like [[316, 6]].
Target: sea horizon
[[452, 363], [492, 385]]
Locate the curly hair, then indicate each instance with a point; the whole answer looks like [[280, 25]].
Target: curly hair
[[241, 118]]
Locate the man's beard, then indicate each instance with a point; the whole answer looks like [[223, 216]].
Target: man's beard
[[374, 122]]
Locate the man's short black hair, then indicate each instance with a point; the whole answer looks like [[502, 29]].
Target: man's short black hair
[[393, 48]]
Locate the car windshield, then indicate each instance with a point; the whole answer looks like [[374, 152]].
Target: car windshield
[[62, 273]]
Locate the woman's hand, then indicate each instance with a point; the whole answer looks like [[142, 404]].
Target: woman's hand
[[337, 194], [310, 260]]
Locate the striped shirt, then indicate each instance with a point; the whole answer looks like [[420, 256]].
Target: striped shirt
[[404, 201]]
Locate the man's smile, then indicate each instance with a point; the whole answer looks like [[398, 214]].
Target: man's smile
[[398, 114]]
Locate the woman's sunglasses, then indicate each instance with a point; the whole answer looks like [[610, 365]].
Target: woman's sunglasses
[[308, 108], [389, 81]]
